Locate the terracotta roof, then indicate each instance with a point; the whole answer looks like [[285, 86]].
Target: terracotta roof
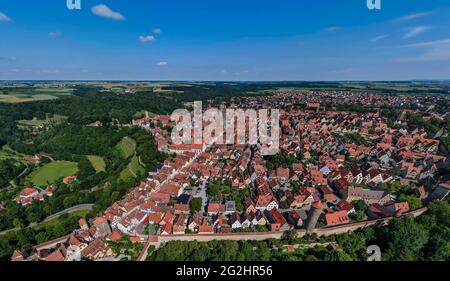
[[55, 256], [337, 218], [115, 235]]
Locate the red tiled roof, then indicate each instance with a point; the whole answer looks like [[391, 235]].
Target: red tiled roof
[[337, 218], [115, 236], [55, 256]]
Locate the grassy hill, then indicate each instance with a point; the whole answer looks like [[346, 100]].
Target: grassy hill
[[97, 162], [133, 169], [126, 147], [51, 172]]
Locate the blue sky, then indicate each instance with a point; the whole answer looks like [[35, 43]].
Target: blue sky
[[247, 40]]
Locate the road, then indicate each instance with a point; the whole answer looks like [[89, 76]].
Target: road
[[55, 216], [69, 211]]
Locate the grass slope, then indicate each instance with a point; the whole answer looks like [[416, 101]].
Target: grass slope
[[51, 172], [126, 147], [97, 162]]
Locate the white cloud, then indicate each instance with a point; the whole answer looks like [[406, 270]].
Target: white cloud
[[146, 38], [333, 28], [413, 17], [4, 17], [157, 31], [104, 11], [413, 32], [54, 34], [438, 50], [378, 38], [162, 63], [436, 43]]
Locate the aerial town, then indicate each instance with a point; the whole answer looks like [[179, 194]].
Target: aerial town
[[334, 171], [224, 140]]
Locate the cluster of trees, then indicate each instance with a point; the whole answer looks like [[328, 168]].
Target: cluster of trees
[[9, 168], [27, 237], [223, 191], [280, 160]]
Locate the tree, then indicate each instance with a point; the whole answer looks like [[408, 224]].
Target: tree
[[413, 201], [359, 205], [290, 236], [17, 223], [359, 215], [195, 204], [402, 239], [41, 237]]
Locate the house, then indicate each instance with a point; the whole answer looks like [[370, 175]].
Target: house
[[179, 226], [295, 219], [167, 229], [55, 256], [249, 205], [397, 208], [266, 202], [69, 179], [194, 222], [276, 221], [97, 249], [206, 228], [172, 188], [345, 206], [303, 198], [377, 211], [328, 193], [160, 197], [283, 173], [214, 208], [115, 236], [168, 218], [230, 207], [83, 224], [102, 227], [18, 256], [235, 221], [181, 209], [369, 196], [246, 220], [27, 196], [340, 217]]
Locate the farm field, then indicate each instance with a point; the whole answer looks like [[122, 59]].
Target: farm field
[[56, 119], [133, 169], [97, 162], [28, 95], [51, 172], [7, 153], [126, 147]]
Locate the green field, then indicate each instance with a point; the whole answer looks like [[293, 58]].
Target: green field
[[133, 169], [126, 147], [19, 95], [98, 163], [56, 119], [7, 153], [52, 172]]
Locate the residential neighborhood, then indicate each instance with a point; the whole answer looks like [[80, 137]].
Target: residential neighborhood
[[333, 168]]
